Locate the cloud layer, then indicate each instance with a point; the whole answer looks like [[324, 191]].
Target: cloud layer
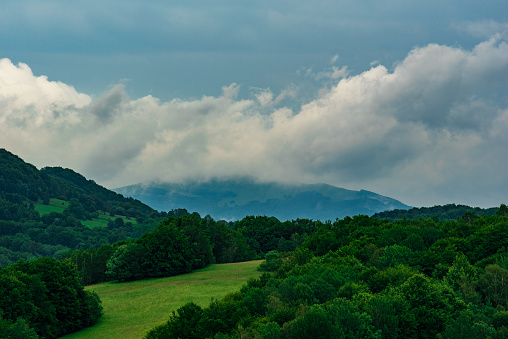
[[185, 49], [430, 131]]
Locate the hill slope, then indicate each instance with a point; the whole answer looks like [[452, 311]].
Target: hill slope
[[234, 199], [23, 182], [134, 308], [45, 212]]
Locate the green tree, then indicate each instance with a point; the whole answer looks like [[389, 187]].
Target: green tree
[[195, 229], [313, 325], [392, 276], [494, 285], [168, 251], [431, 304], [396, 255], [390, 314], [270, 330], [461, 277], [460, 328], [349, 321], [500, 319], [271, 262], [503, 210], [182, 324], [254, 300], [127, 263], [62, 305], [21, 330], [222, 316]]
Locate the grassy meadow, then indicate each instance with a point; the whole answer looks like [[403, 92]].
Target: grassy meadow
[[132, 309], [103, 219], [55, 205]]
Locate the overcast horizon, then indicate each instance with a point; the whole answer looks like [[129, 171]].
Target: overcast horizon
[[405, 99]]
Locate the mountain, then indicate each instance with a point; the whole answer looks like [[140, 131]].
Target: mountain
[[235, 199], [49, 211], [22, 183]]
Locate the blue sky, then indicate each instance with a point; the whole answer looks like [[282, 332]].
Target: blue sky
[[188, 49], [404, 98]]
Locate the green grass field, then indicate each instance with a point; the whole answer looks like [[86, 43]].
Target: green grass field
[[132, 309], [55, 205], [103, 220]]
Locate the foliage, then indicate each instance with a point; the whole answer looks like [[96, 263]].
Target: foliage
[[364, 277], [446, 212], [45, 297], [132, 308], [43, 212]]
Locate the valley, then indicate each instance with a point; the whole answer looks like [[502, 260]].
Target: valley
[[132, 309]]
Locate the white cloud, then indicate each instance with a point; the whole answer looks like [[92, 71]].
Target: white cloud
[[265, 97], [431, 131], [332, 73], [483, 28], [23, 88]]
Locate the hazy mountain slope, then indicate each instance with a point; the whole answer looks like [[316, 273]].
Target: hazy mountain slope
[[234, 199]]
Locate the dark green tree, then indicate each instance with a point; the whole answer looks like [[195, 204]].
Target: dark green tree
[[128, 263]]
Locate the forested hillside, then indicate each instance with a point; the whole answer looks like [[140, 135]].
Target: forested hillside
[[50, 211], [445, 212], [365, 277]]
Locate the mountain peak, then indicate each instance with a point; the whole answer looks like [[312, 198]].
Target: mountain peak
[[236, 198]]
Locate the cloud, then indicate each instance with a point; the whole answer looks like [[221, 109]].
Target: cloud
[[482, 28], [431, 131], [332, 73], [108, 105], [19, 84]]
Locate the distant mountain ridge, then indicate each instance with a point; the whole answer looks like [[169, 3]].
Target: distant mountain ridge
[[237, 198]]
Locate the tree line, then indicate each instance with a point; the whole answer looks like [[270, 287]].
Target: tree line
[[182, 244], [365, 277]]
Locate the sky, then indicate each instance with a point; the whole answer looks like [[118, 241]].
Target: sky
[[408, 99]]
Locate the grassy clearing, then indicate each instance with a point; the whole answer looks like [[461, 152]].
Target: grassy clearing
[[55, 205], [95, 223], [103, 220], [132, 309]]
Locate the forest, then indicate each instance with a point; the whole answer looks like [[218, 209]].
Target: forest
[[355, 277], [364, 277], [420, 273], [32, 226]]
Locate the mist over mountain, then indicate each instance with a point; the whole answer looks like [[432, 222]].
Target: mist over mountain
[[236, 198]]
